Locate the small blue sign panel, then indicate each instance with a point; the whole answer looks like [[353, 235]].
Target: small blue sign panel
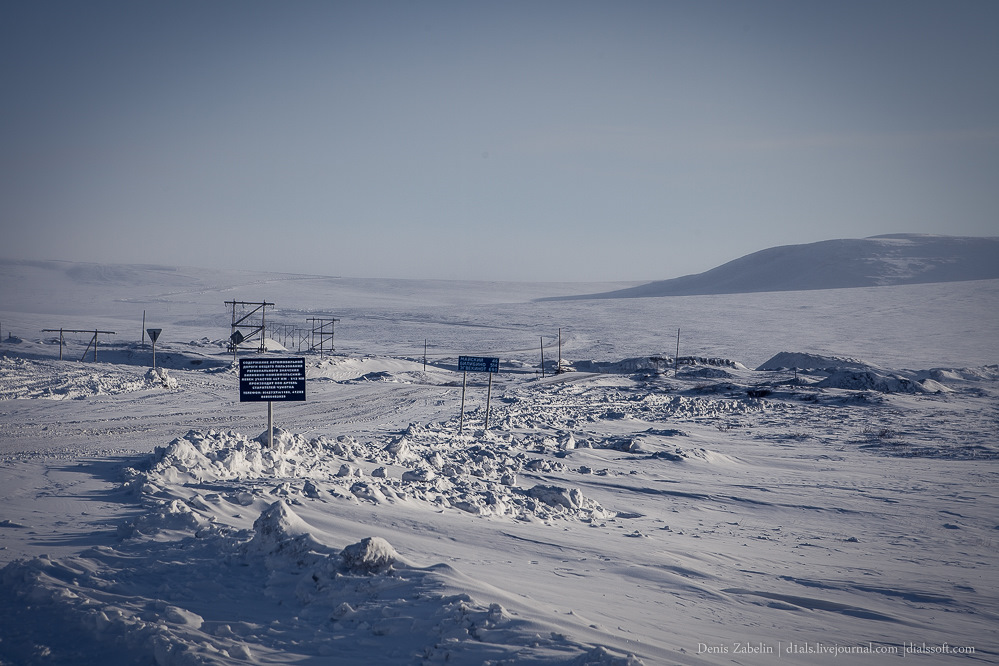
[[271, 379], [478, 364]]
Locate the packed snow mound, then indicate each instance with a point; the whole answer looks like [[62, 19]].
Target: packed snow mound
[[375, 368], [652, 364], [805, 361], [601, 656], [216, 455], [559, 406], [161, 377], [162, 516], [835, 264], [869, 380], [849, 373], [985, 373], [425, 464], [279, 523], [371, 554]]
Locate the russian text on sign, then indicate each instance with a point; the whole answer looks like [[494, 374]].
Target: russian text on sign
[[478, 364], [271, 379]]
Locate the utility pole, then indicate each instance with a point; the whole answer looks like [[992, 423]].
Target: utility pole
[[542, 357], [676, 360], [558, 370]]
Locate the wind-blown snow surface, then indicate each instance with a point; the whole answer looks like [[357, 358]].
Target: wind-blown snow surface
[[836, 505]]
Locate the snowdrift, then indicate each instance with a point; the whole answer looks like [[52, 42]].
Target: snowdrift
[[134, 603], [855, 374]]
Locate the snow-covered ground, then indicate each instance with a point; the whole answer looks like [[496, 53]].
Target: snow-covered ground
[[814, 483]]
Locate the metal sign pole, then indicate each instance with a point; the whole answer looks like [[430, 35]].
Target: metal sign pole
[[154, 335], [489, 394], [461, 420], [476, 364], [270, 424]]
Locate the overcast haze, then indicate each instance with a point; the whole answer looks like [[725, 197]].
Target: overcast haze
[[496, 141]]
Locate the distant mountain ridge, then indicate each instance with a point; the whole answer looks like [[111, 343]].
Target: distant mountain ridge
[[835, 264]]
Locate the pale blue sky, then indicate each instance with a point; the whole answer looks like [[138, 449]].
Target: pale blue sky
[[490, 140]]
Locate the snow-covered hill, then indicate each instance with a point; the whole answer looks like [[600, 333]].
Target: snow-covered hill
[[835, 264]]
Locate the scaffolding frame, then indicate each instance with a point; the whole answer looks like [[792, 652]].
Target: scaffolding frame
[[322, 329], [248, 322]]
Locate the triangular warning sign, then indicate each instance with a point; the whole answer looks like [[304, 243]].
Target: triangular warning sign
[[154, 333]]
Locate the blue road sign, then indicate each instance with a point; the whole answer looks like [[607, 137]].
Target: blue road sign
[[478, 364]]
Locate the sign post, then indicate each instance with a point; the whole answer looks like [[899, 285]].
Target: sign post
[[271, 379], [468, 364], [154, 334]]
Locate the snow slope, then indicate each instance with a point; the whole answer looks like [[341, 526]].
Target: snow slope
[[837, 264], [634, 509]]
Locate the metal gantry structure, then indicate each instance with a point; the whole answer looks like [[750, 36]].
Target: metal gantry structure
[[249, 323], [93, 340], [322, 333]]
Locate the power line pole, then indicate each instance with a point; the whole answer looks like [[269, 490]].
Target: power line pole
[[542, 357], [558, 370], [676, 360]]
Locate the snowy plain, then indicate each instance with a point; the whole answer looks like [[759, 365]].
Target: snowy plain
[[814, 483]]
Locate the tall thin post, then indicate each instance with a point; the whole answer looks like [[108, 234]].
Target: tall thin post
[[424, 354], [270, 424], [234, 330], [676, 360], [489, 394], [143, 340], [558, 370], [263, 330], [60, 344], [461, 419], [542, 357]]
